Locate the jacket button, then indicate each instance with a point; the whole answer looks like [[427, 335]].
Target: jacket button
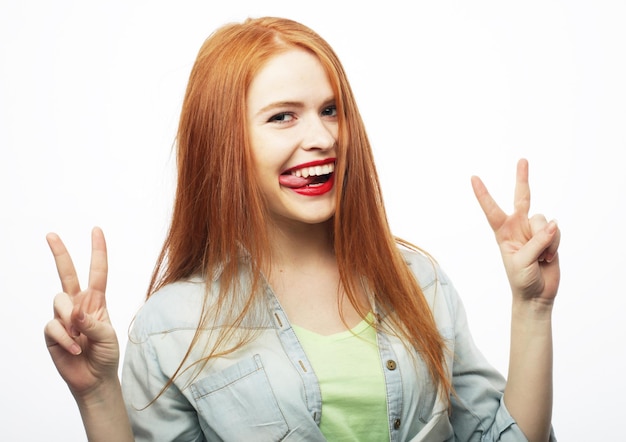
[[391, 364], [396, 424]]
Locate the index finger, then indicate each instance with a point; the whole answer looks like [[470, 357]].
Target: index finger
[[64, 264], [495, 215], [98, 268]]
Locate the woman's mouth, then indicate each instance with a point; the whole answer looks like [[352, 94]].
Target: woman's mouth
[[308, 176], [310, 179]]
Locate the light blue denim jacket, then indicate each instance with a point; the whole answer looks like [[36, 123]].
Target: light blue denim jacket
[[267, 390]]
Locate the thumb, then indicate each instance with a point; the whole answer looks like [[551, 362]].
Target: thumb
[[544, 243], [93, 329]]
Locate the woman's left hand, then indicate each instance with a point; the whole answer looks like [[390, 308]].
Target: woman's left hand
[[528, 245]]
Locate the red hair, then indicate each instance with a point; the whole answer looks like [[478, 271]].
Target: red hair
[[218, 210]]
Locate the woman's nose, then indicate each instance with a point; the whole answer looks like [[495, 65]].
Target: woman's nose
[[319, 134]]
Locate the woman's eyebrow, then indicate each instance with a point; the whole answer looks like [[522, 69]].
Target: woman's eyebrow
[[280, 104]]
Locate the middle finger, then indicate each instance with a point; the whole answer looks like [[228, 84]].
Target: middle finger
[[522, 188]]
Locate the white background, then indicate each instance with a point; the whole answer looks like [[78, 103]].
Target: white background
[[89, 99]]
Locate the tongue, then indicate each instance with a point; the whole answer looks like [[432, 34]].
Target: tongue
[[294, 182]]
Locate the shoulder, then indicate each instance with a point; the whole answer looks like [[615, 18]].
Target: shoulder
[[176, 306], [425, 269], [423, 266], [436, 286]]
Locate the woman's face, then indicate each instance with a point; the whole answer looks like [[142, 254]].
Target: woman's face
[[292, 124]]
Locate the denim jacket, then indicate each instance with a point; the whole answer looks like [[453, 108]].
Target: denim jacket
[[267, 390]]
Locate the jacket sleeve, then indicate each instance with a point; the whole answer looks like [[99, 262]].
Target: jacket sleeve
[[171, 416], [478, 409]]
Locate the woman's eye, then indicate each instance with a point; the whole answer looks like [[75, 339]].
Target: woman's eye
[[283, 117], [330, 111]]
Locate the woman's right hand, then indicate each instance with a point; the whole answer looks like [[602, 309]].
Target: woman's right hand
[[81, 339]]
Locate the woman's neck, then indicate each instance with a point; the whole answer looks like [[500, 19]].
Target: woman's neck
[[305, 278], [300, 244]]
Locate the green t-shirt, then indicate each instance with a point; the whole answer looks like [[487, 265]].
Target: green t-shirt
[[350, 374]]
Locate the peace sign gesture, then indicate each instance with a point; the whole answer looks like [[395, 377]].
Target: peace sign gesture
[[528, 245], [80, 338]]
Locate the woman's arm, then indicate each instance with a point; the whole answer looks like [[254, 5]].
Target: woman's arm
[[529, 252], [528, 393], [104, 414], [83, 344]]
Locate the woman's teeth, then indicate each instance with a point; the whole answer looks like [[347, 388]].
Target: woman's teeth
[[306, 172]]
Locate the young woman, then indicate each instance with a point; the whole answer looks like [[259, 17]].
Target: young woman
[[281, 306]]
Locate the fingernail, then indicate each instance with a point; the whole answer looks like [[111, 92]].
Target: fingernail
[[73, 332], [75, 349], [551, 227]]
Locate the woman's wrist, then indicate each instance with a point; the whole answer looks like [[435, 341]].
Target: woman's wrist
[[532, 309], [104, 392], [104, 412]]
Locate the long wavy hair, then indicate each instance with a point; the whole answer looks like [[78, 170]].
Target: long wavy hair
[[219, 210]]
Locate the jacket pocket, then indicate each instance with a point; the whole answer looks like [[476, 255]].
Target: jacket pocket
[[238, 404], [437, 428]]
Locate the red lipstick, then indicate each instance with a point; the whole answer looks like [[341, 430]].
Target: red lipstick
[[310, 164], [316, 190]]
